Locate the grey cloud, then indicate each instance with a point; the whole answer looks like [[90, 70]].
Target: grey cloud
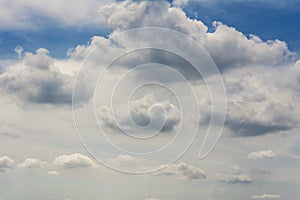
[[253, 128], [256, 108], [234, 178], [159, 56], [6, 163], [38, 82], [9, 131], [143, 111], [184, 171]]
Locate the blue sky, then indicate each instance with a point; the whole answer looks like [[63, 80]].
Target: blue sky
[[266, 19]]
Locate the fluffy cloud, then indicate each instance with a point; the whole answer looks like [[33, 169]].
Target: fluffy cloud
[[262, 155], [266, 111], [227, 46], [184, 171], [33, 163], [73, 161], [266, 196], [234, 178], [6, 163], [37, 80], [257, 104], [143, 111]]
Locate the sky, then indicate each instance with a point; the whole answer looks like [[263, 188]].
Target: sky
[[149, 100]]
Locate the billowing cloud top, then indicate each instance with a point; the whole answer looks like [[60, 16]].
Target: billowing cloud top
[[73, 161]]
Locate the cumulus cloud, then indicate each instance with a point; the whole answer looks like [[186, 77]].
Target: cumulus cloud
[[143, 111], [6, 163], [36, 80], [184, 171], [227, 46], [71, 161], [267, 154], [234, 178], [33, 163], [266, 196], [257, 105]]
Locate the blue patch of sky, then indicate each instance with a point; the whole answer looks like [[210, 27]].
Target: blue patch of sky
[[56, 39], [266, 19]]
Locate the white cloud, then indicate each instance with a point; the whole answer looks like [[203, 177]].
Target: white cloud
[[180, 3], [36, 80], [227, 46], [53, 173], [126, 162], [31, 14], [184, 171], [258, 104], [266, 196], [267, 154], [144, 111], [73, 161], [6, 163], [234, 178], [151, 199], [33, 163]]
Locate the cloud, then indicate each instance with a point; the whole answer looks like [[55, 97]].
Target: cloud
[[267, 154], [151, 199], [144, 111], [228, 47], [33, 163], [180, 3], [73, 161], [9, 131], [53, 173], [37, 80], [127, 162], [253, 128], [184, 171], [234, 178], [6, 163], [32, 15], [266, 196], [257, 105]]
